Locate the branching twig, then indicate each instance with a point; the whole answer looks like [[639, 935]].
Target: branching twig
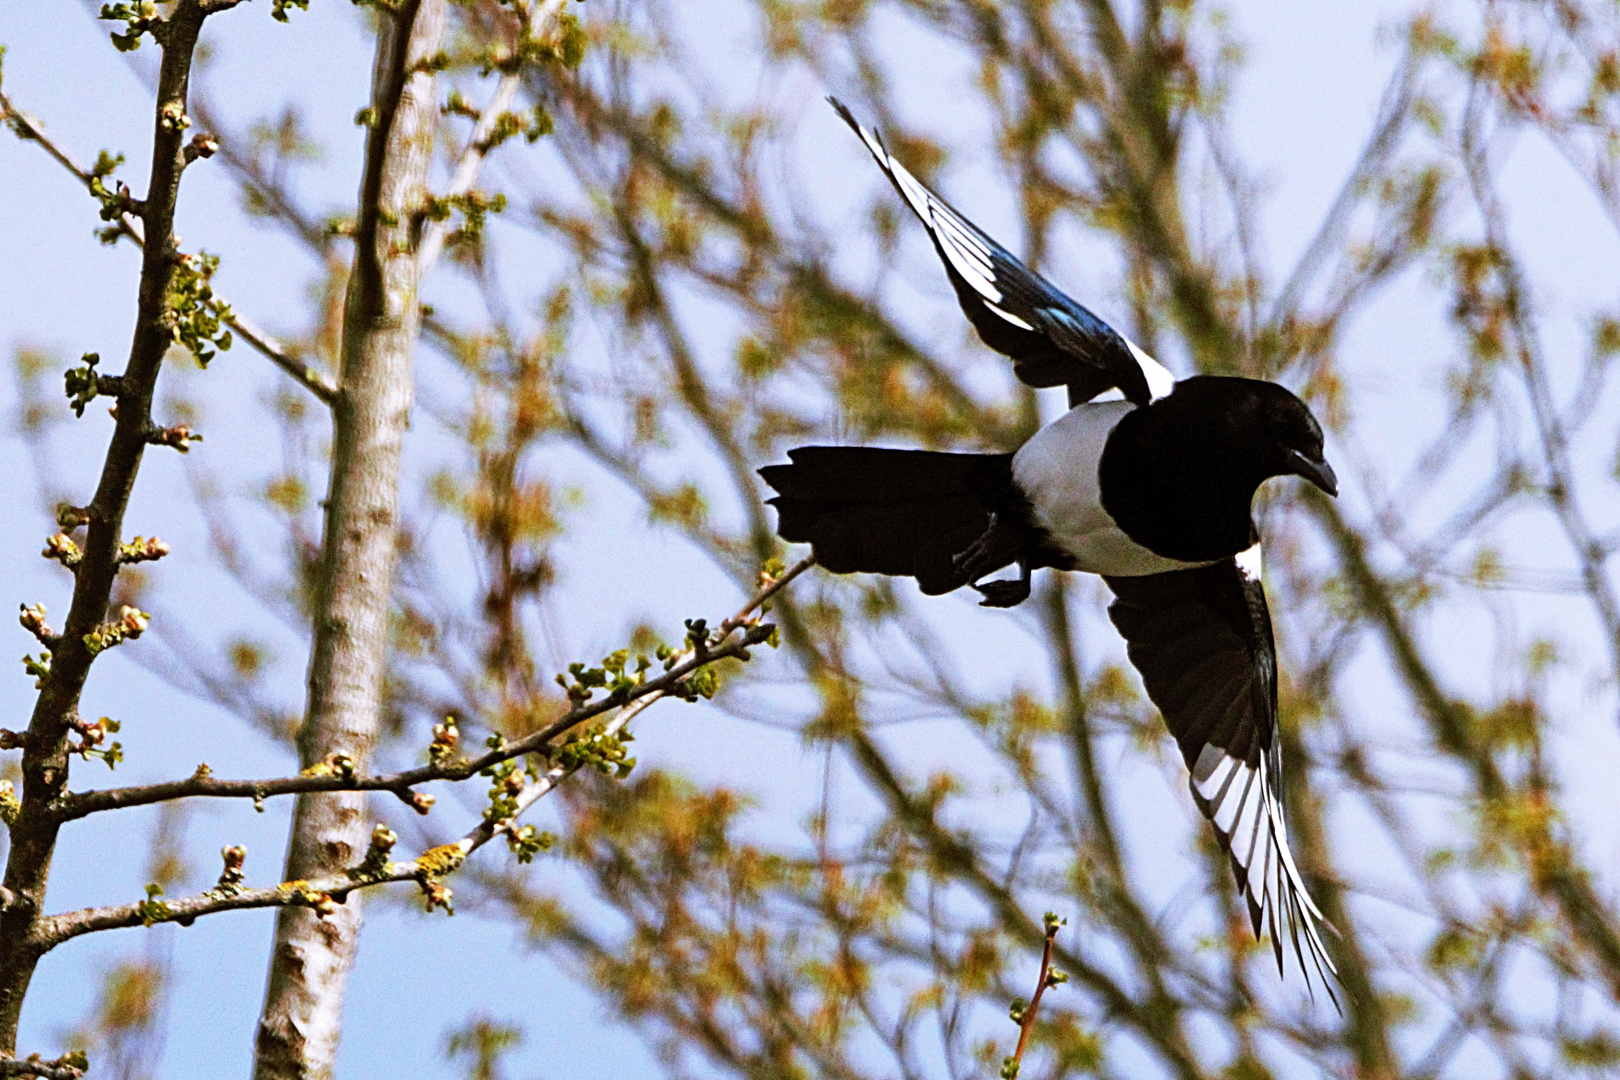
[[723, 647], [128, 226], [432, 865], [479, 143]]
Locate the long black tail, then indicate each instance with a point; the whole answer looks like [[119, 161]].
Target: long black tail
[[901, 512]]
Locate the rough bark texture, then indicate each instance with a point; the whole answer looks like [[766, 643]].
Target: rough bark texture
[[45, 756], [301, 1022]]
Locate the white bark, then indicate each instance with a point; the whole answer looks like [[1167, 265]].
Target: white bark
[[301, 1022]]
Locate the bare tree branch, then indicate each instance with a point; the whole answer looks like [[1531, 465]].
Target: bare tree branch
[[129, 226], [722, 647]]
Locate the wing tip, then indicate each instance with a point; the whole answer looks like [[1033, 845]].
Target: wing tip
[[869, 136], [1290, 902], [844, 111]]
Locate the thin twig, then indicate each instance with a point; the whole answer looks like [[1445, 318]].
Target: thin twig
[[1025, 1014], [1562, 492], [129, 227], [287, 360], [33, 1066], [400, 783]]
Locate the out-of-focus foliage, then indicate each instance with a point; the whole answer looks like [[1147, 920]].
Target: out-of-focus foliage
[[1445, 628], [481, 1042], [125, 1033]]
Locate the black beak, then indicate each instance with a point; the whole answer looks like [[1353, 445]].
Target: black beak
[[1317, 472]]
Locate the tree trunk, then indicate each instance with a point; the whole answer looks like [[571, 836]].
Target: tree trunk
[[301, 1022]]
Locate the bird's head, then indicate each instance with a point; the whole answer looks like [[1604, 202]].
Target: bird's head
[[1267, 427], [1296, 437], [1289, 438]]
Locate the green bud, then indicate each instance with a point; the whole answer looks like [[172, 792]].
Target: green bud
[[152, 910]]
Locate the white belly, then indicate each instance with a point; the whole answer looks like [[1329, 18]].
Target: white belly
[[1057, 471]]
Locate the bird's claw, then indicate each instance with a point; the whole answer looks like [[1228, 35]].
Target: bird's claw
[[968, 561], [1003, 594]]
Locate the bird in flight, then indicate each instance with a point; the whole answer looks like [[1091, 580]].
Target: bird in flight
[[1152, 492]]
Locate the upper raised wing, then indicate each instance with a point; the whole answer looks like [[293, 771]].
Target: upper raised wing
[[1052, 339], [1202, 641]]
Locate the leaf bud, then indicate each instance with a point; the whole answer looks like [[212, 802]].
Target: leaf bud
[[133, 620], [62, 548], [33, 620]]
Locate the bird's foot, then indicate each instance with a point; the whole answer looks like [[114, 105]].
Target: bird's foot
[[1004, 594], [971, 559]]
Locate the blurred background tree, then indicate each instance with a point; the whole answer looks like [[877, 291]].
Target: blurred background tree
[[674, 264]]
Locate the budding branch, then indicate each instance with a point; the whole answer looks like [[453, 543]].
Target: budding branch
[[51, 931], [82, 804], [126, 225]]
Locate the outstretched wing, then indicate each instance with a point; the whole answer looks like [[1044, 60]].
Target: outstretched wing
[[1053, 341], [1202, 641]]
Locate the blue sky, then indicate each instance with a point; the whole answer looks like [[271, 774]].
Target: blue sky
[[1306, 99]]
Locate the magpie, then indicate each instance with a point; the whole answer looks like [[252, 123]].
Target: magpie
[[1151, 491]]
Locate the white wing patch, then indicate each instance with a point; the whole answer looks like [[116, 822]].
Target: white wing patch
[[1249, 562], [1160, 381], [1009, 316], [968, 255], [1240, 800]]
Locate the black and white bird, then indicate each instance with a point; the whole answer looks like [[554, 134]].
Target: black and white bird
[[1152, 492]]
